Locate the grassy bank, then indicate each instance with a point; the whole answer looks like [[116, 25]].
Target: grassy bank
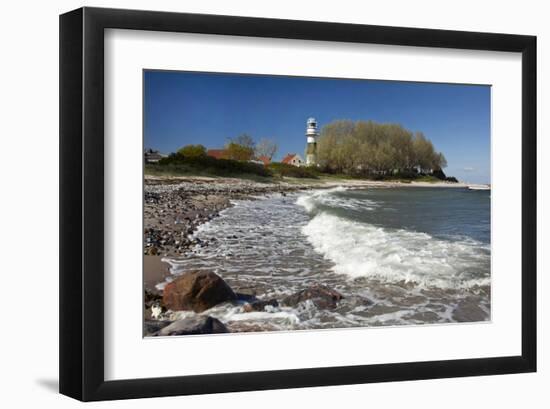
[[205, 166], [175, 171], [212, 167]]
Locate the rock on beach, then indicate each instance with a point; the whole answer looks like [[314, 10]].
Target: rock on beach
[[197, 291], [193, 325], [321, 295], [175, 207], [259, 305], [152, 326]]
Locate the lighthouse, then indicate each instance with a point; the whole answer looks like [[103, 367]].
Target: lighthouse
[[311, 148]]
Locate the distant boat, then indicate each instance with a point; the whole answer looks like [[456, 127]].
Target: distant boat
[[479, 187]]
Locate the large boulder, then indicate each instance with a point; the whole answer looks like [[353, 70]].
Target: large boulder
[[197, 291], [193, 325], [321, 295]]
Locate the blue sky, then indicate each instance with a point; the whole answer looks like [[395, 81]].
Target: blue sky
[[183, 108]]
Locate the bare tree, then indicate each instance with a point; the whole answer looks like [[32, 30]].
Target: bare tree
[[266, 147], [244, 140]]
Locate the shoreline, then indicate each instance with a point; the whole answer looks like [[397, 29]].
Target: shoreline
[[175, 206], [155, 271], [288, 183]]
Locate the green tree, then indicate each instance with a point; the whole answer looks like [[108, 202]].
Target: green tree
[[192, 151], [333, 145], [367, 147], [441, 161], [236, 151], [424, 152]]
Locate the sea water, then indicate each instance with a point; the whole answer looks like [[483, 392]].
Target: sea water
[[399, 256]]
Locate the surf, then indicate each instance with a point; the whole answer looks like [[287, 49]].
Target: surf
[[359, 249]]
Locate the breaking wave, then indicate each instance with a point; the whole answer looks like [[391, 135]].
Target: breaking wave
[[344, 239], [360, 249]]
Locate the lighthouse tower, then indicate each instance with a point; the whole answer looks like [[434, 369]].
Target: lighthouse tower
[[311, 149]]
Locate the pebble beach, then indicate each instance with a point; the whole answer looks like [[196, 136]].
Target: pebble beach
[[195, 243]]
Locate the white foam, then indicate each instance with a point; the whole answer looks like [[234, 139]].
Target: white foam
[[279, 245], [311, 200], [362, 250]]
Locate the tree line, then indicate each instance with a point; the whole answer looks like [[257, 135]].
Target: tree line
[[368, 147], [240, 158], [242, 148]]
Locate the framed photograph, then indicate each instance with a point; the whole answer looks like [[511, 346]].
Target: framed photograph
[[252, 204]]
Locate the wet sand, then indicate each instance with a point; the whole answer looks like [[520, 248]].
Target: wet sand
[[154, 271]]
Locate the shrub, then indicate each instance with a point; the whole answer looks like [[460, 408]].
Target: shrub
[[192, 151], [176, 163], [284, 169]]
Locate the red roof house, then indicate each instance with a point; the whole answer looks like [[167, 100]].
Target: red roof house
[[217, 153], [264, 159], [293, 159]]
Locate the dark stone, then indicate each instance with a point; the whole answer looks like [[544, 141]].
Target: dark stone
[[439, 174], [426, 316], [152, 251], [259, 305], [152, 326], [151, 298], [321, 295], [469, 311], [197, 291], [193, 325], [246, 296]]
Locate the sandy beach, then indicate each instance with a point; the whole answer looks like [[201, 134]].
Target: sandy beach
[[156, 272]]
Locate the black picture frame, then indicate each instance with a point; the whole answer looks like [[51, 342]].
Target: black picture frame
[[82, 200]]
